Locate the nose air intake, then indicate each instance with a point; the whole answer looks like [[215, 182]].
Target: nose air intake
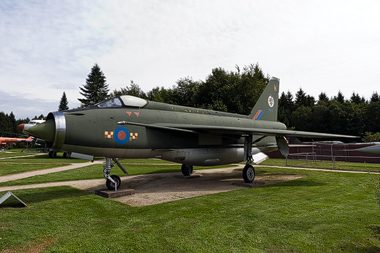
[[44, 131], [53, 131]]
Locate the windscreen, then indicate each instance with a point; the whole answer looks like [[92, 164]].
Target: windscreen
[[113, 102]]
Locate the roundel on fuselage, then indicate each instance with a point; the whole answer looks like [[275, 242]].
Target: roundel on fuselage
[[121, 135]]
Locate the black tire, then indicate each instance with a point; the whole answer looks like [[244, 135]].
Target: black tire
[[248, 174], [110, 185], [187, 170], [65, 155], [52, 154]]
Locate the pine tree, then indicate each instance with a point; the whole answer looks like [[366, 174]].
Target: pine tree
[[63, 104], [96, 89]]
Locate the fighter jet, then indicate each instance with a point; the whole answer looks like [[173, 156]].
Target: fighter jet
[[131, 127], [375, 149], [5, 140]]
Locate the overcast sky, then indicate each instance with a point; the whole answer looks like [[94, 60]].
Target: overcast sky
[[49, 47]]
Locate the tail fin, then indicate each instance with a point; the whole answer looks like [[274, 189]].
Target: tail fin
[[267, 105]]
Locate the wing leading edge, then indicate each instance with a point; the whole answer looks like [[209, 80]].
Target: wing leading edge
[[226, 130]]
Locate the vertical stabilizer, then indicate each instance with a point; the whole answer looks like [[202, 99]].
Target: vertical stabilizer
[[267, 106]]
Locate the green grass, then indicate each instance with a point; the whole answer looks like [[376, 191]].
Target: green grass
[[8, 169], [143, 161], [324, 212], [14, 154], [96, 171], [324, 164], [42, 159]]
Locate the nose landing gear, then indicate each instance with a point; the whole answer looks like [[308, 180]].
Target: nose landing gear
[[113, 181]]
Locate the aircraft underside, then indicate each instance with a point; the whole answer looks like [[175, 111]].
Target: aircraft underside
[[187, 157]]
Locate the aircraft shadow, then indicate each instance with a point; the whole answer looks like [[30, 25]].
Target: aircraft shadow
[[164, 187]]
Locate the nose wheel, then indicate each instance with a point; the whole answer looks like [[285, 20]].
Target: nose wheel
[[115, 184]]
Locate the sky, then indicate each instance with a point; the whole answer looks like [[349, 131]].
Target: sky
[[49, 47]]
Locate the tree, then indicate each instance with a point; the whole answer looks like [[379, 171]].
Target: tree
[[185, 91], [355, 98], [133, 89], [371, 137], [323, 97], [375, 97], [372, 117], [39, 117], [231, 91], [96, 89], [300, 98], [63, 104], [12, 122], [5, 124], [302, 118], [285, 108], [339, 98]]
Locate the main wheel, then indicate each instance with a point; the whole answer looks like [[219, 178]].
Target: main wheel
[[187, 170], [248, 173], [110, 185], [52, 154]]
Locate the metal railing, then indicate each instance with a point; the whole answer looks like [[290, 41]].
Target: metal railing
[[331, 161]]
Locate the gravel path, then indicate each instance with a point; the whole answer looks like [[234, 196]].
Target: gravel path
[[46, 171]]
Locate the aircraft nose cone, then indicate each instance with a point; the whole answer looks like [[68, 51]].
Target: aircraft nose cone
[[21, 127], [44, 130]]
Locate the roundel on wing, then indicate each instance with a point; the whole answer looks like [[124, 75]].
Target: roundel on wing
[[121, 135]]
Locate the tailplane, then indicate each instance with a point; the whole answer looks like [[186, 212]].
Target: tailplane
[[267, 106]]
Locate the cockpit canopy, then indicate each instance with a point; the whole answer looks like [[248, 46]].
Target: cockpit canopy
[[123, 100]]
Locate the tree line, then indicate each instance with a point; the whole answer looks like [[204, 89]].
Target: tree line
[[237, 92], [353, 116]]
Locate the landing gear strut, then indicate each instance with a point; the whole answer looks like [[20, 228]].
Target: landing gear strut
[[248, 171], [113, 181], [187, 170]]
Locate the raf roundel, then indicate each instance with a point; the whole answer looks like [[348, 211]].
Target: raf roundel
[[121, 135], [270, 101]]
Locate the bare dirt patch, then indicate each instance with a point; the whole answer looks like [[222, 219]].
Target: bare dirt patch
[[37, 246]]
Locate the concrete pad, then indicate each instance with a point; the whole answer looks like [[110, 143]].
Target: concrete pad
[[114, 194]]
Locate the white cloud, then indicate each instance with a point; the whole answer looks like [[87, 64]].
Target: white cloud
[[48, 47]]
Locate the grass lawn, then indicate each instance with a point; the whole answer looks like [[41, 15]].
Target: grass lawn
[[23, 164], [324, 212], [324, 165], [7, 169], [144, 161], [14, 154], [42, 159]]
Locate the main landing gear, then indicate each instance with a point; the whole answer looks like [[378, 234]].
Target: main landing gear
[[248, 171], [113, 181], [187, 170]]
